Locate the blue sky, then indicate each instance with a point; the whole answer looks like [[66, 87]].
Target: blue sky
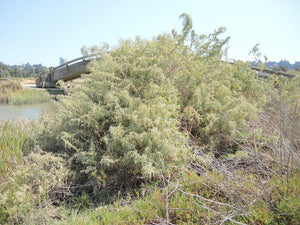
[[41, 31]]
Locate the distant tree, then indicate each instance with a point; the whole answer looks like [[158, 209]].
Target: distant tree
[[282, 68], [27, 67], [16, 72], [5, 74], [285, 63], [39, 69], [25, 70], [3, 66]]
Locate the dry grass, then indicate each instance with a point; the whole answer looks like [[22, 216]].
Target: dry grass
[[29, 80]]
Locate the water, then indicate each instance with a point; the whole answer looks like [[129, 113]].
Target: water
[[18, 112], [28, 85]]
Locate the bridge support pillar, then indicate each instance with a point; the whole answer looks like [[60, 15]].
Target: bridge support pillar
[[49, 84], [39, 82]]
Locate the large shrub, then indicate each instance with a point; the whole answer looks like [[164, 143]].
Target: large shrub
[[158, 109], [133, 114], [121, 124]]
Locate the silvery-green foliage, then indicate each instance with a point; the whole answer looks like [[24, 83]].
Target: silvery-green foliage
[[132, 111], [125, 113]]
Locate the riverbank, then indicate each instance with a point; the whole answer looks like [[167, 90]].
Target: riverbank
[[12, 92]]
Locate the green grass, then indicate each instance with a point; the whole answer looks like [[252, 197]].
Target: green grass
[[11, 92], [13, 139], [28, 96]]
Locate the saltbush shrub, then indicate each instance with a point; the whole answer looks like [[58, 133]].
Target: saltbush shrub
[[132, 114], [199, 139]]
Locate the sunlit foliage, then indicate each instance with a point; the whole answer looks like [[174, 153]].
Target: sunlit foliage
[[167, 131]]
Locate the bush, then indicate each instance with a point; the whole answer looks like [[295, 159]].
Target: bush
[[129, 118], [169, 111], [29, 195], [121, 122]]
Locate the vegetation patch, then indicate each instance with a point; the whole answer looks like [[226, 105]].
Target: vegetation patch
[[28, 96], [161, 131], [11, 92]]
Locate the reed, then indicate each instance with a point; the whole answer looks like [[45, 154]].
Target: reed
[[10, 85], [11, 92], [28, 96], [13, 143]]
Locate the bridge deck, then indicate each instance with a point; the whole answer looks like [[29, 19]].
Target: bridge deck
[[67, 71], [74, 68]]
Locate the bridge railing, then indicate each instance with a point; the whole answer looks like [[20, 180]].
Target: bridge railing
[[270, 72], [93, 56], [80, 59]]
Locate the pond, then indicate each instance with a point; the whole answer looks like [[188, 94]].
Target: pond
[[18, 112]]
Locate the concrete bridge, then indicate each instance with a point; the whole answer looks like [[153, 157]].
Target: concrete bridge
[[67, 71], [74, 68]]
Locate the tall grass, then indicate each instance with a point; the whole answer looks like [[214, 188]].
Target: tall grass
[[11, 92], [28, 96], [7, 87], [10, 85], [13, 143]]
